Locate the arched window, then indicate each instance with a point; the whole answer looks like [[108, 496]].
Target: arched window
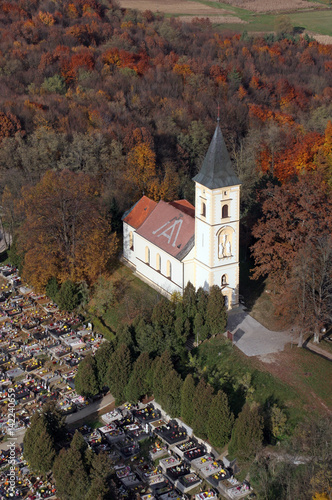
[[131, 241], [203, 210], [158, 262], [224, 280], [169, 270], [147, 255], [224, 211]]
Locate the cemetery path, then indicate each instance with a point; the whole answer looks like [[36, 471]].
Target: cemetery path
[[252, 338], [97, 406]]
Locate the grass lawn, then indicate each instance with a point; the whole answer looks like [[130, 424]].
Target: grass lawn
[[137, 298], [295, 379]]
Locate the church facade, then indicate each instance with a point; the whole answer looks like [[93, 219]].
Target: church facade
[[170, 244]]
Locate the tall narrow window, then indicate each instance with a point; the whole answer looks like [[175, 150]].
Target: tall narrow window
[[147, 255], [224, 280], [131, 241], [203, 211], [169, 270], [158, 262], [224, 211]]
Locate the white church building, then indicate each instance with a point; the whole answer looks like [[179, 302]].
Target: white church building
[[170, 244]]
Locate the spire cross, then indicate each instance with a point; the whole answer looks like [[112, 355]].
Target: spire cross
[[218, 108]]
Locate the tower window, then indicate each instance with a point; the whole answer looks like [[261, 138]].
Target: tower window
[[158, 262], [203, 209], [131, 241], [224, 211], [224, 280]]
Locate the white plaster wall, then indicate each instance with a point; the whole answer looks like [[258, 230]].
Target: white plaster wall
[[127, 252], [150, 271], [202, 242]]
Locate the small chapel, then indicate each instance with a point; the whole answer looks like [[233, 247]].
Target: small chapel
[[170, 244]]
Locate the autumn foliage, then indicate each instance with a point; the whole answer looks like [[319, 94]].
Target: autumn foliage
[[64, 233]]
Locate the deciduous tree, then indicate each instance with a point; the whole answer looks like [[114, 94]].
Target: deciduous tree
[[64, 233]]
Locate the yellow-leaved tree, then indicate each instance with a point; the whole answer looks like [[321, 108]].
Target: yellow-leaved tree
[[65, 233]]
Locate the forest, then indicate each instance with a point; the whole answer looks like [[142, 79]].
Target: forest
[[116, 103], [99, 105]]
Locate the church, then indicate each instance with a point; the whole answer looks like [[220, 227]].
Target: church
[[170, 244]]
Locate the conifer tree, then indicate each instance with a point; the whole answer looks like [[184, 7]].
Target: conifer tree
[[161, 368], [187, 399], [202, 402], [138, 386], [247, 435], [171, 395], [39, 440], [102, 359], [71, 476], [119, 371], [221, 420], [86, 380], [216, 316]]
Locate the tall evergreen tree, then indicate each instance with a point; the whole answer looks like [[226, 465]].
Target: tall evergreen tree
[[202, 402], [40, 438], [171, 396], [86, 380], [187, 399], [71, 476], [119, 371], [247, 435], [216, 316], [161, 368], [103, 359], [220, 421], [138, 385]]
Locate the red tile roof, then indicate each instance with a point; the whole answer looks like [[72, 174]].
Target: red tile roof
[[170, 228], [137, 214], [184, 206]]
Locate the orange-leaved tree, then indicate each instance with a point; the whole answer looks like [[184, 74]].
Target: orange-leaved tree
[[142, 168], [65, 233]]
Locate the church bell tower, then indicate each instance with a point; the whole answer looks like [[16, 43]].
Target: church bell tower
[[217, 214]]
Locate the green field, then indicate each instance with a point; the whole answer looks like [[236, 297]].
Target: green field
[[317, 21]]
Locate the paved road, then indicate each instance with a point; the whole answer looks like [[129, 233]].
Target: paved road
[[254, 339]]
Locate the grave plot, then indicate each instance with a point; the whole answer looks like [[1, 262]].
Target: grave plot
[[127, 447], [147, 414], [239, 491], [191, 455], [188, 482], [112, 432], [111, 416], [158, 450], [146, 470], [172, 433], [206, 495], [136, 431], [180, 449], [216, 478], [165, 463], [127, 477], [174, 473], [170, 495]]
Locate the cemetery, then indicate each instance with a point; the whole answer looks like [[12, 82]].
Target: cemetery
[[40, 349]]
